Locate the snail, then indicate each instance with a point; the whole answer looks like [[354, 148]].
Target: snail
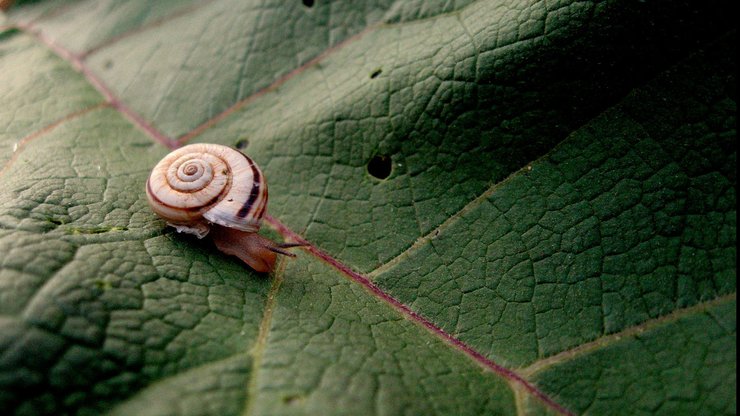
[[210, 189]]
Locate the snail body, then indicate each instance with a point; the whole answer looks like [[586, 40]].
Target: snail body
[[210, 189]]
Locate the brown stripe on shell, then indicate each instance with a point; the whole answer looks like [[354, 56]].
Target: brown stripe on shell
[[254, 193], [261, 208]]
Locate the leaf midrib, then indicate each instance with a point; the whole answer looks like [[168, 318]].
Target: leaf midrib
[[513, 378]]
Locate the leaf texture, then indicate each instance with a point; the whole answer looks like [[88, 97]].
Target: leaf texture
[[556, 234]]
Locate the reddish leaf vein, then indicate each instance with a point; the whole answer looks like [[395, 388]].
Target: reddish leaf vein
[[277, 83], [504, 372], [24, 141], [148, 26], [78, 63]]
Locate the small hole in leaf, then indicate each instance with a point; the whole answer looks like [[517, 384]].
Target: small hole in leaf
[[292, 399], [375, 73], [108, 64], [380, 166], [55, 221], [241, 144], [308, 3]]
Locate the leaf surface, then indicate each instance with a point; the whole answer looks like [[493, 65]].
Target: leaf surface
[[556, 235]]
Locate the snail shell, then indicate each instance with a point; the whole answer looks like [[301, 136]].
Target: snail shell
[[211, 189], [200, 184]]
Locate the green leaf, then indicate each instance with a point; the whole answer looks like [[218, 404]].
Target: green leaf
[[556, 233]]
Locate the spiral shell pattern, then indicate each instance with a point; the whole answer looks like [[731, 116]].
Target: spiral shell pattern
[[208, 183]]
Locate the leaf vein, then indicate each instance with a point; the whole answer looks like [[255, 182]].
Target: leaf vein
[[21, 144], [78, 63], [151, 25], [506, 373], [604, 341], [260, 343]]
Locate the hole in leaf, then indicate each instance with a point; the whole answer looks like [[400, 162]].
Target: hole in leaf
[[108, 64], [308, 3], [375, 73], [380, 166], [241, 144], [55, 221], [292, 399]]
